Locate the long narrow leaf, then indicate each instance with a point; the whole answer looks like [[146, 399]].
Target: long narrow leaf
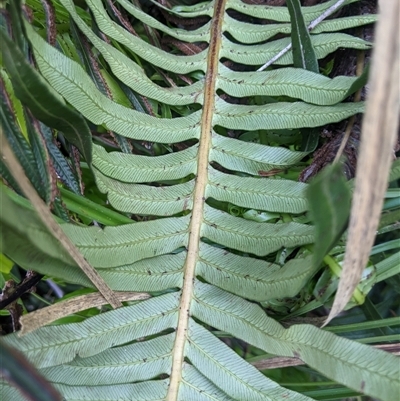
[[16, 369], [379, 132], [48, 221], [329, 197], [302, 48], [46, 105]]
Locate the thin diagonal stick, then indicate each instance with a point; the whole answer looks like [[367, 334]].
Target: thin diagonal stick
[[47, 219], [357, 98], [310, 27]]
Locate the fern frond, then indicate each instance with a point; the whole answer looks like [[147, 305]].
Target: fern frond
[[202, 263]]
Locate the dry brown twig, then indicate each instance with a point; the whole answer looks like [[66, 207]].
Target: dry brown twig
[[284, 362], [380, 125], [49, 222]]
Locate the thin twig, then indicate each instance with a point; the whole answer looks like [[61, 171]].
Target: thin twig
[[46, 217], [357, 98], [310, 27], [345, 139], [325, 14], [283, 362], [26, 285], [41, 317]]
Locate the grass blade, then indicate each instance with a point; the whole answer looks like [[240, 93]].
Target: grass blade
[[329, 198], [303, 51]]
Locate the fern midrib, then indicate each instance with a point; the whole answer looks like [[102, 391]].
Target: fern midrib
[[199, 199]]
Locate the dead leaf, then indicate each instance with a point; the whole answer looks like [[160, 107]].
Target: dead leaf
[[378, 137], [41, 317]]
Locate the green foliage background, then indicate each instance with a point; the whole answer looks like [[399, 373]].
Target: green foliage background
[[101, 74]]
